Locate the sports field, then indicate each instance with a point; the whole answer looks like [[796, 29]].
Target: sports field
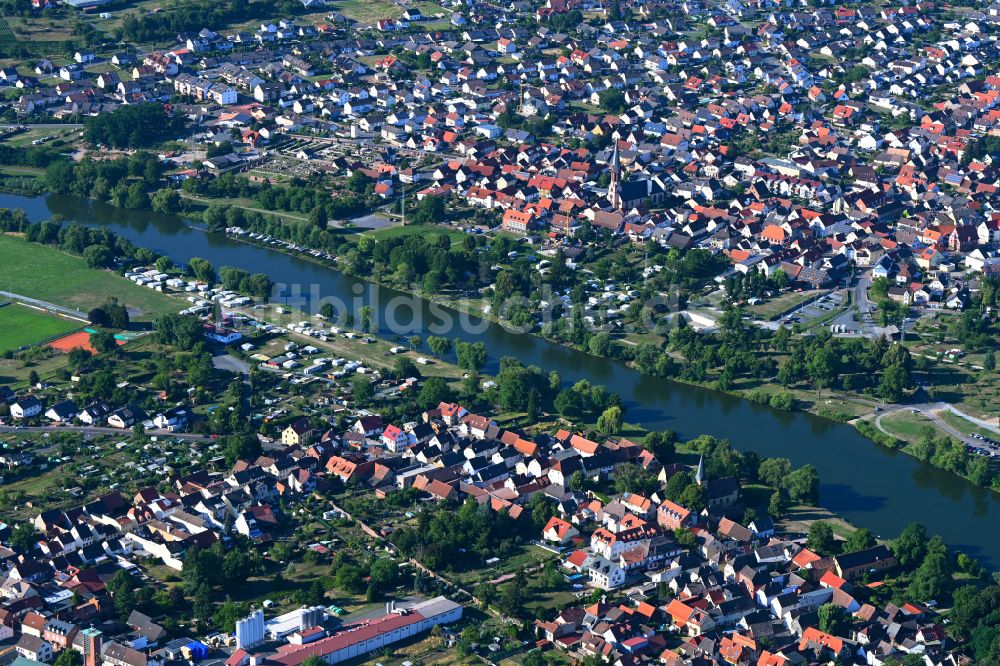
[[48, 274], [21, 326]]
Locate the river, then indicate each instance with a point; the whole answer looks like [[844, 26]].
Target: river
[[871, 486]]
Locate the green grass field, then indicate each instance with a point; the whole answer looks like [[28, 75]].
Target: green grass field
[[369, 11], [21, 326], [907, 426], [431, 232], [965, 426], [49, 134], [48, 274]]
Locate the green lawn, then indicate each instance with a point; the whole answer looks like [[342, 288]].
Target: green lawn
[[22, 326], [907, 426], [368, 11], [48, 274], [25, 138], [965, 426], [431, 232]]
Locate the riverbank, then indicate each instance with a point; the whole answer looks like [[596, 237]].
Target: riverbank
[[374, 354], [835, 407], [838, 408], [868, 485]]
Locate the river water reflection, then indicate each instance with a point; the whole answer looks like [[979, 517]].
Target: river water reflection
[[878, 488]]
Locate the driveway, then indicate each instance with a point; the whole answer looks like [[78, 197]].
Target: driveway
[[230, 363], [372, 221]]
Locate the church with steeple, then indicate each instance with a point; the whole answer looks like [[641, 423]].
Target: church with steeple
[[615, 187]]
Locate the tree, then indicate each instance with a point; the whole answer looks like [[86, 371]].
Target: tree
[[910, 546], [859, 539], [471, 355], [241, 447], [895, 379], [933, 577], [429, 209], [631, 478], [349, 578], [780, 339], [133, 126], [803, 485], [23, 537], [820, 538], [774, 471], [832, 619], [103, 341], [367, 319], [98, 256], [166, 201], [110, 314], [69, 658], [404, 368], [578, 481], [600, 345], [59, 176], [611, 420], [203, 607], [512, 596], [384, 573], [778, 504], [434, 391], [820, 368], [662, 445], [694, 497], [439, 346], [202, 270], [685, 537], [533, 410], [363, 389], [612, 100], [136, 197]]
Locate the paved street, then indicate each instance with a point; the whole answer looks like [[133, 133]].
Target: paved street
[[932, 410], [93, 430]]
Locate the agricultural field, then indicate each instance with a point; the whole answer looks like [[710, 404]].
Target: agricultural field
[[46, 33], [48, 274], [368, 11], [21, 326]]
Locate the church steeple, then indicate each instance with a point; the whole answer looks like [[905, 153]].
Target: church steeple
[[699, 476], [615, 187]]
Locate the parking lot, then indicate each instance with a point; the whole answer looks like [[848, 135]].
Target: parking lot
[[812, 313]]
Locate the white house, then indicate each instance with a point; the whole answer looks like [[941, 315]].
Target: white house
[[62, 412], [605, 574], [26, 407]]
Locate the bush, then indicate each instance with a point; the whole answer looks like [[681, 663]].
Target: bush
[[782, 401], [868, 429], [834, 415]]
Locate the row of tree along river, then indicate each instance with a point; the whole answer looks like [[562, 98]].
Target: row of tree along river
[[881, 489]]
